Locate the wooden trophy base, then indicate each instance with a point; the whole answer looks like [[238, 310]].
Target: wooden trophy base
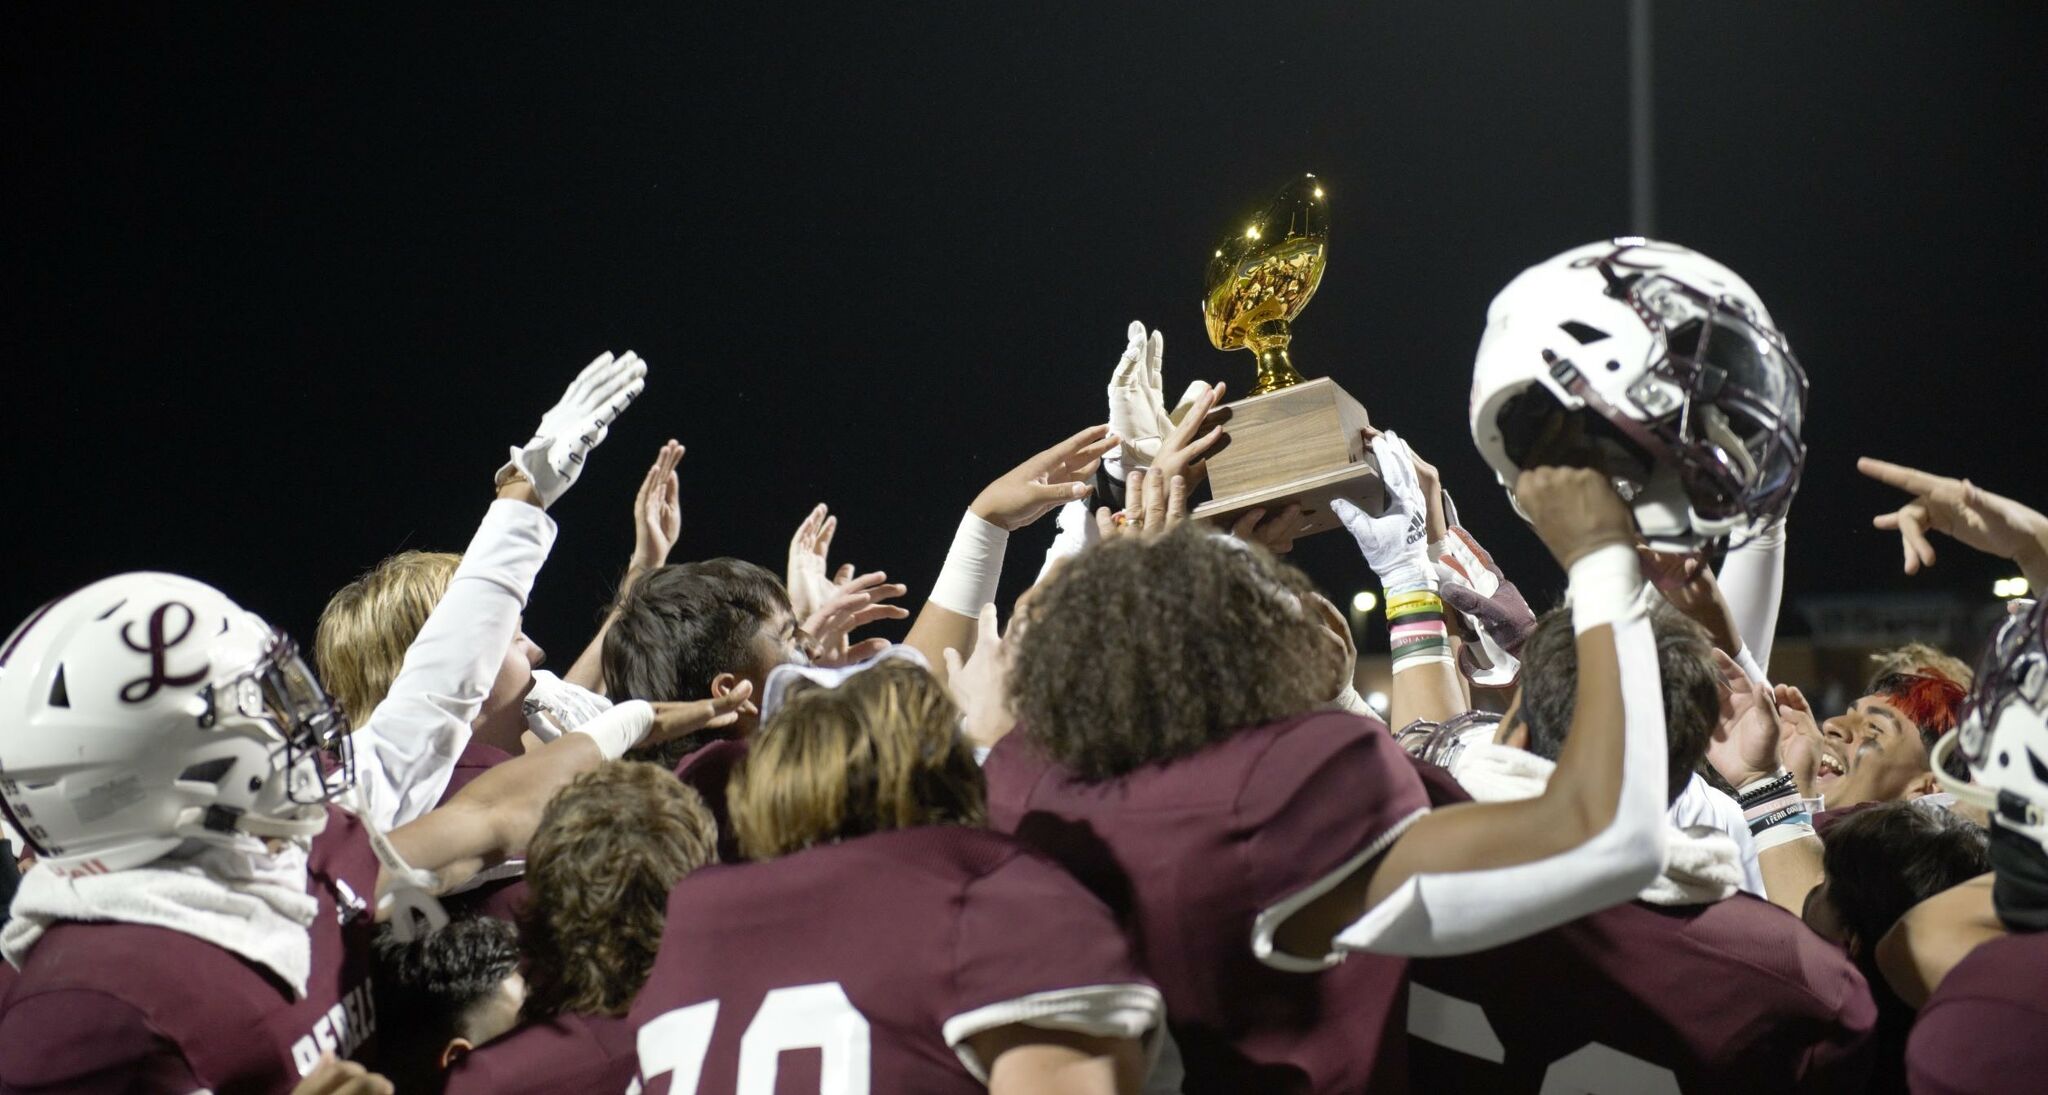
[[1303, 444]]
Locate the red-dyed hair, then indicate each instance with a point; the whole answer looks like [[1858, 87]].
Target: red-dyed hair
[[1929, 697]]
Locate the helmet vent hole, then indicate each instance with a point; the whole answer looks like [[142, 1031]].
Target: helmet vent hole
[[255, 784], [59, 695], [1613, 366], [1586, 333], [209, 771]]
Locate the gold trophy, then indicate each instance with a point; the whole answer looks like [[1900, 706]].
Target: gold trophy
[[1292, 439]]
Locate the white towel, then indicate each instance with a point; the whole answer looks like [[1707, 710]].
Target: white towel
[[242, 899]]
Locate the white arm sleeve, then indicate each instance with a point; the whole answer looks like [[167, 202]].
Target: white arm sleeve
[[1753, 579], [407, 748], [1439, 914], [1102, 1011]]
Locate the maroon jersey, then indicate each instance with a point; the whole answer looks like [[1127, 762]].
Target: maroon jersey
[[867, 961], [476, 759], [1986, 1027], [126, 1007], [1735, 995], [706, 771], [503, 897], [566, 1053], [1189, 853]]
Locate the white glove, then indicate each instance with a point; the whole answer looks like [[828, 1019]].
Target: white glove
[[1396, 543], [554, 705], [1137, 402], [576, 425]]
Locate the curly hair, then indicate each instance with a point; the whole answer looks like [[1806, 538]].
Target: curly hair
[[1147, 650], [609, 848], [881, 751]]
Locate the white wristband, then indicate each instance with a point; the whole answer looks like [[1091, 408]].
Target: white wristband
[[620, 728], [973, 567], [1606, 584]]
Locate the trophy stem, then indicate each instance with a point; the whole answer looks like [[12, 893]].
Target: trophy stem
[[1276, 371]]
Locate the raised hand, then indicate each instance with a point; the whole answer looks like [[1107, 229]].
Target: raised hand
[[851, 604], [657, 511], [677, 720], [576, 424], [1574, 511], [1182, 449], [1491, 606], [1137, 398], [1689, 584], [1991, 523], [1152, 506], [1744, 747], [806, 581], [981, 684], [1275, 533], [1799, 738], [1047, 481], [1396, 541]]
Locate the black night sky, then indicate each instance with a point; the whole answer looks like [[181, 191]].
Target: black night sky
[[287, 282]]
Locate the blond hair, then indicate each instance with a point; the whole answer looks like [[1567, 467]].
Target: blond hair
[[608, 849], [368, 624], [1917, 658], [881, 751]]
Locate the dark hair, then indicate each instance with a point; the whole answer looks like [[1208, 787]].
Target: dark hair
[[423, 992], [1883, 860], [1685, 662], [608, 849], [1146, 650], [678, 627]]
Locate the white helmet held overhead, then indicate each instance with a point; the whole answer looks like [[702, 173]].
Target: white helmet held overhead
[[1656, 365], [2003, 734], [146, 710]]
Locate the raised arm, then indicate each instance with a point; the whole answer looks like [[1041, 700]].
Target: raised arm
[[1752, 580], [974, 565], [1991, 523], [1473, 876], [406, 750], [492, 818], [657, 521], [1396, 546]]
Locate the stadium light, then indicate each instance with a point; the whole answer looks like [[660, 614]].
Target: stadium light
[[2009, 587], [1365, 601]]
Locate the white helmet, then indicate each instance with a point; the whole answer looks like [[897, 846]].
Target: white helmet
[[2003, 733], [148, 709], [1656, 365]]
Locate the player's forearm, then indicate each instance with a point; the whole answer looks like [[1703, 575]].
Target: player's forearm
[[1791, 870], [1430, 692], [1473, 876], [411, 740], [967, 581], [1047, 1062], [494, 816], [1752, 581]]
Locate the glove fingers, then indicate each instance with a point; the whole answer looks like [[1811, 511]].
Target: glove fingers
[[580, 387], [1472, 604]]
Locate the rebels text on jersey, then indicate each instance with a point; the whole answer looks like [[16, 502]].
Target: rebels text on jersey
[[101, 1004], [1189, 853], [865, 965]]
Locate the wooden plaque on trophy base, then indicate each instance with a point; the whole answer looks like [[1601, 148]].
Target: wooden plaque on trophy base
[[1303, 444]]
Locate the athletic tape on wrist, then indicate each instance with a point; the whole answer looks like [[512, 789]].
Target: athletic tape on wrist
[[1606, 585], [974, 564], [620, 728]]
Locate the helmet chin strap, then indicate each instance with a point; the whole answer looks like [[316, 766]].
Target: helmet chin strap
[[408, 899]]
